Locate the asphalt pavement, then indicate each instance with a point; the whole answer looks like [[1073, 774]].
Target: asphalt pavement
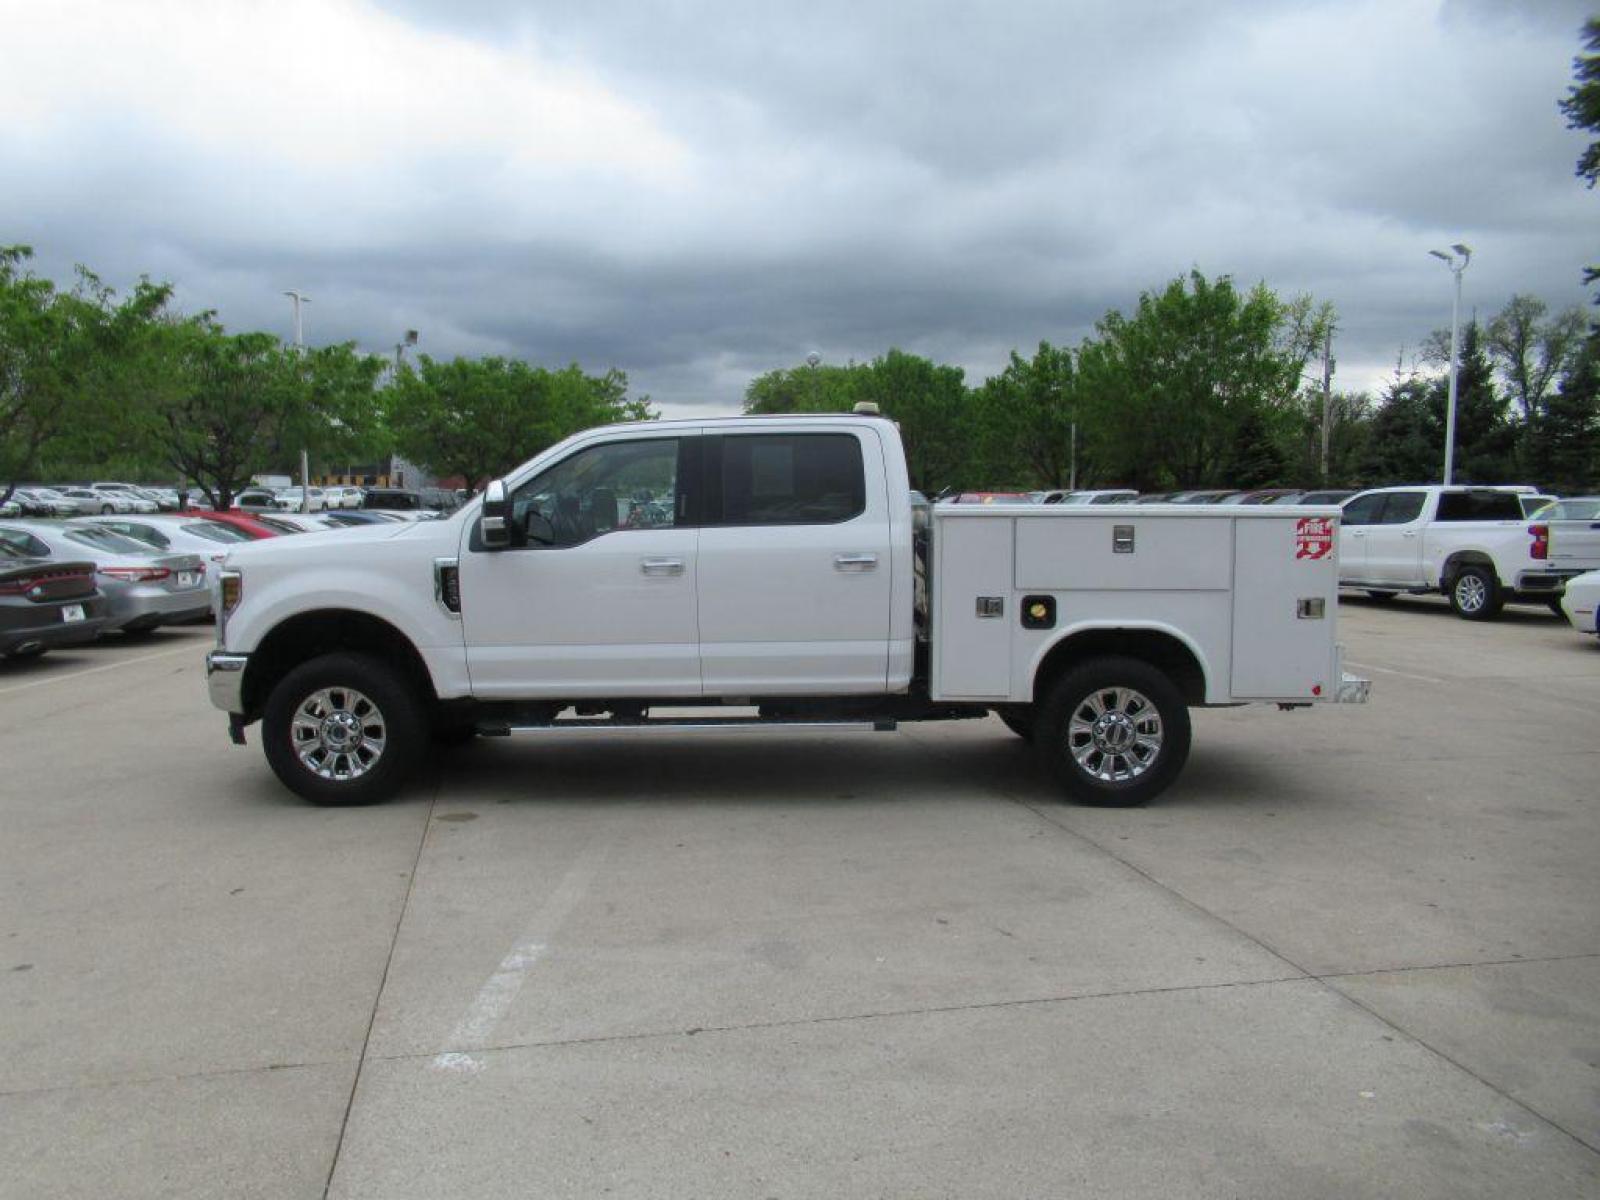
[[1354, 952]]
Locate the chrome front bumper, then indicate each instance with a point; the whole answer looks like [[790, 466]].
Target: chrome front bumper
[[225, 680]]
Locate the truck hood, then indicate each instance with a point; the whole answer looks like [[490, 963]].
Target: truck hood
[[334, 544]]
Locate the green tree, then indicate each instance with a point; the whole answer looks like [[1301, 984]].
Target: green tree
[[1023, 419], [65, 365], [1572, 429], [1406, 438], [477, 418], [1532, 351], [1581, 107], [1197, 382]]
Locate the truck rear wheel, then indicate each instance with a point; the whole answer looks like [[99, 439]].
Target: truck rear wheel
[[343, 729], [1475, 593], [1113, 731]]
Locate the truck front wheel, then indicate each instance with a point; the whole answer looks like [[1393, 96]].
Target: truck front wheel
[[1113, 731], [1475, 593], [343, 729]]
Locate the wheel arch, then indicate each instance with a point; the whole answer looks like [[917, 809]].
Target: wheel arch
[[1451, 567], [308, 635], [1163, 648]]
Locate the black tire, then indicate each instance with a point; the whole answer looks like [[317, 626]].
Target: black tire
[[1019, 721], [359, 699], [1081, 755], [1475, 593], [1381, 597], [106, 510]]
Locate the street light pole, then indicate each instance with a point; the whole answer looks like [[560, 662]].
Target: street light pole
[[298, 299], [1449, 260]]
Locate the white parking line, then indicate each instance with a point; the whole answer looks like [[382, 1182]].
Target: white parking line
[[495, 997], [1392, 671], [127, 662]]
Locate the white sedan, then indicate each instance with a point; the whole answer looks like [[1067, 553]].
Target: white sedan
[[1581, 601]]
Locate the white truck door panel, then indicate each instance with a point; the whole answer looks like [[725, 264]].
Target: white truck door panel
[[972, 641], [792, 602], [1394, 544], [1283, 605], [611, 617]]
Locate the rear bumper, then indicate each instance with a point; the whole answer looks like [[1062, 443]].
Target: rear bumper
[[225, 680], [1545, 583], [31, 638]]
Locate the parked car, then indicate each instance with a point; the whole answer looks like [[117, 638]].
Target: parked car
[[1533, 502], [1324, 497], [363, 517], [1210, 496], [1266, 496], [1581, 602], [45, 604], [143, 588], [253, 499], [178, 534], [1154, 497], [1471, 543], [71, 501], [251, 523], [300, 500], [40, 502], [1571, 533], [11, 507], [988, 498], [137, 500], [1093, 496], [342, 495]]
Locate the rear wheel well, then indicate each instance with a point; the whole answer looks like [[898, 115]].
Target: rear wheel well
[[310, 635], [1464, 558], [1161, 650]]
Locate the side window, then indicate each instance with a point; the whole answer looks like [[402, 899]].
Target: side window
[[791, 479], [25, 542], [1480, 506], [615, 486], [1403, 507], [1363, 510]]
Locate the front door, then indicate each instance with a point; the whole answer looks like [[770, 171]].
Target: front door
[[1357, 522], [1394, 544], [595, 598]]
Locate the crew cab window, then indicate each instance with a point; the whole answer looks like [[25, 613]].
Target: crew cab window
[[791, 479], [603, 489], [1479, 506], [1363, 510], [1400, 508]]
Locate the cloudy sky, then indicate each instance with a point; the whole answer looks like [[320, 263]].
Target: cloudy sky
[[698, 192]]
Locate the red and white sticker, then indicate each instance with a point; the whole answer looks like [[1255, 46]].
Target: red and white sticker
[[1313, 537]]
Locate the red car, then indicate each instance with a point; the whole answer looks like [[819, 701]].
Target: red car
[[243, 521]]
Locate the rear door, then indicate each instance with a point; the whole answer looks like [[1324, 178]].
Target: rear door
[[794, 567]]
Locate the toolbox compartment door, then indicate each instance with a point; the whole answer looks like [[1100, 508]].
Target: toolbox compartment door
[[1283, 650]]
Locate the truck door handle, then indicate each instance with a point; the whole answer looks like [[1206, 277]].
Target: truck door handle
[[661, 566], [855, 562], [1410, 533]]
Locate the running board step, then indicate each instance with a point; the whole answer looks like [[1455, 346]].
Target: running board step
[[686, 725]]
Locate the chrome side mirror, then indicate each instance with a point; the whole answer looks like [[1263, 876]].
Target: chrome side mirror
[[494, 521]]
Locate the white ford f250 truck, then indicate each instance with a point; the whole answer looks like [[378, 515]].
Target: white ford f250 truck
[[1471, 543], [774, 570]]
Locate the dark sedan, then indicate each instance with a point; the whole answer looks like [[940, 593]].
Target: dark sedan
[[44, 605]]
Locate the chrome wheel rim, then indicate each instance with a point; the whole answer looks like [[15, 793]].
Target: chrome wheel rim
[[338, 734], [1115, 734], [1470, 593]]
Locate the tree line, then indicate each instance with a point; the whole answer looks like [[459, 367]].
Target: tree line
[[1202, 384]]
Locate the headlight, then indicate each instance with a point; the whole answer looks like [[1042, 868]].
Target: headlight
[[232, 591]]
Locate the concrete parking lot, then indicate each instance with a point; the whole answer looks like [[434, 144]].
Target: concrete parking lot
[[1353, 953]]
